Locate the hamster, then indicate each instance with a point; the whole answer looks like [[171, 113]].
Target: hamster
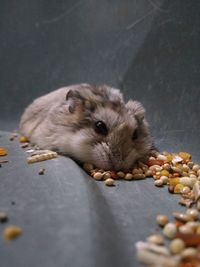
[[89, 124]]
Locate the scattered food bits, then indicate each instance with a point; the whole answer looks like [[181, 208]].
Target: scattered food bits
[[98, 176], [3, 217], [158, 183], [193, 213], [177, 246], [11, 232], [120, 174], [3, 152], [23, 139], [128, 176], [170, 230], [162, 220], [110, 182], [88, 167], [156, 239], [41, 171], [42, 157], [24, 145]]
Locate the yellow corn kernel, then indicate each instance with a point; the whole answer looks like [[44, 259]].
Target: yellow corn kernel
[[174, 181], [185, 155], [178, 188]]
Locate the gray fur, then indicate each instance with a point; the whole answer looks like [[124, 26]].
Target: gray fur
[[64, 120]]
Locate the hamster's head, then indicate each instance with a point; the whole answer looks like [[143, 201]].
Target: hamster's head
[[109, 133]]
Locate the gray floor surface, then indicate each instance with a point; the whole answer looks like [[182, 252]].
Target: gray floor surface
[[147, 48]]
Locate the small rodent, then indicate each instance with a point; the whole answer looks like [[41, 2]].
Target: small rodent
[[89, 124]]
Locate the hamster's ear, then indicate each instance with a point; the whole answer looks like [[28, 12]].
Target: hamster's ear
[[136, 109], [73, 98]]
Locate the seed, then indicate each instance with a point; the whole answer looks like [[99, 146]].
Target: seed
[[155, 168], [3, 152], [113, 174], [138, 176], [185, 156], [109, 182], [187, 181], [185, 190], [171, 189], [42, 157], [185, 168], [185, 229], [174, 181], [23, 139], [170, 230], [3, 217], [11, 232], [148, 173], [162, 220], [164, 179], [24, 145], [106, 175], [198, 230], [156, 239], [41, 171], [196, 167], [137, 171], [189, 252], [190, 164], [155, 162], [177, 246], [88, 167], [164, 173], [166, 166], [193, 213], [98, 176], [128, 176], [178, 188], [193, 176], [158, 183], [177, 170], [192, 225], [161, 157], [121, 174], [182, 217]]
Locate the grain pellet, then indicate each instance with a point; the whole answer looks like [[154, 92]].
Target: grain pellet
[[88, 167], [3, 152], [121, 174], [11, 232], [128, 176], [110, 182], [138, 176], [170, 230], [98, 176], [189, 252], [3, 217], [182, 217], [42, 157], [158, 183], [162, 220], [156, 239], [23, 139], [41, 171], [177, 246], [193, 213]]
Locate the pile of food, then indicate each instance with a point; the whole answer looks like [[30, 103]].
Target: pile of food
[[178, 244]]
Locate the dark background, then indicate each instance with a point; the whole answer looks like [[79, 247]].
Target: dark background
[[149, 49]]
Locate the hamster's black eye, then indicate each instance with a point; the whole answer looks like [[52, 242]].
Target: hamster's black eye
[[100, 128], [135, 135]]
